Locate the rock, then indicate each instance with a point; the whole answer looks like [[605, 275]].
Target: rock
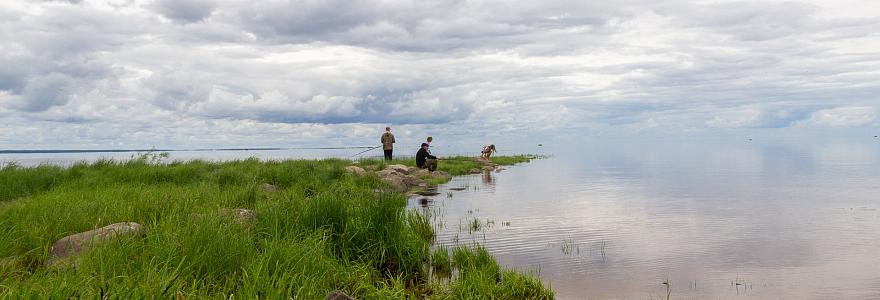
[[268, 188], [398, 168], [411, 181], [457, 189], [338, 295], [388, 173], [488, 168], [475, 171], [356, 170], [483, 161], [371, 168], [399, 181], [396, 182], [427, 193], [241, 215], [441, 174], [77, 243], [420, 173]]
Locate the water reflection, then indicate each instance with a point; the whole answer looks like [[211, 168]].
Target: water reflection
[[750, 221]]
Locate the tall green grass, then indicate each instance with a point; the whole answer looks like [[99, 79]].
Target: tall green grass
[[324, 230]]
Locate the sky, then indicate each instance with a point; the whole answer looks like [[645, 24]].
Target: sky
[[96, 74]]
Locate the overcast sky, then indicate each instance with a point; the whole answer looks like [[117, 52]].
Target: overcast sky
[[204, 73]]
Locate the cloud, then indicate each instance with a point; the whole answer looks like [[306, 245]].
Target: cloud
[[842, 116], [186, 11], [263, 68]]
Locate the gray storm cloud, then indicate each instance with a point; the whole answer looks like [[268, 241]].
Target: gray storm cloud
[[157, 67]]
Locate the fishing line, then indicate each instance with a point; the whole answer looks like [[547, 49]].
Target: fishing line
[[365, 151]]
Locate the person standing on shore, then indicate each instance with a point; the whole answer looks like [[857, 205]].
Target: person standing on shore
[[388, 143]]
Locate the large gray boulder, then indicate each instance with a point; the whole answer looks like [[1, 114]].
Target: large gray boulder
[[77, 243]]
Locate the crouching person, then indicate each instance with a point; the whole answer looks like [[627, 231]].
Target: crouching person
[[425, 160]]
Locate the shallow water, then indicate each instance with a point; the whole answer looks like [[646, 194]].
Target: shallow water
[[738, 220], [744, 220]]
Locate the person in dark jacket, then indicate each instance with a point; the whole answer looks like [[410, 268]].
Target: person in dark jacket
[[425, 160], [387, 143]]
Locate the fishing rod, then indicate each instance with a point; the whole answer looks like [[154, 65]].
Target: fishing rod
[[365, 151]]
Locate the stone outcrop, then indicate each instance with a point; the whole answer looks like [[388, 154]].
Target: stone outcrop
[[441, 174], [402, 178], [415, 171], [398, 168], [484, 161], [356, 170], [77, 243]]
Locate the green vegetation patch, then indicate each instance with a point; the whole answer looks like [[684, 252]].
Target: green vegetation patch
[[455, 165], [317, 229]]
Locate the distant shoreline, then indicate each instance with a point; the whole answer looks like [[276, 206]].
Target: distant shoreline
[[38, 151]]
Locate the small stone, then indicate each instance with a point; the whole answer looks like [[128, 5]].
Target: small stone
[[356, 170], [338, 295], [241, 215], [268, 188]]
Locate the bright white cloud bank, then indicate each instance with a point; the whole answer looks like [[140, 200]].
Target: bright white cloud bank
[[191, 73]]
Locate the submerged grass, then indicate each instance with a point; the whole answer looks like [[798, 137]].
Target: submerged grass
[[323, 230], [480, 277]]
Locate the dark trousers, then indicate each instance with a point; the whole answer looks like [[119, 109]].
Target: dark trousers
[[388, 154]]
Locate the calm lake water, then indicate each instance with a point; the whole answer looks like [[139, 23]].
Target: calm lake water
[[735, 220], [744, 220]]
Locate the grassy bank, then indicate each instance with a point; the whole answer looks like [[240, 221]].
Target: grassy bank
[[323, 230], [456, 165]]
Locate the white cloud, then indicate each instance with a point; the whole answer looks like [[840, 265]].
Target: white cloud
[[198, 71], [842, 116]]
